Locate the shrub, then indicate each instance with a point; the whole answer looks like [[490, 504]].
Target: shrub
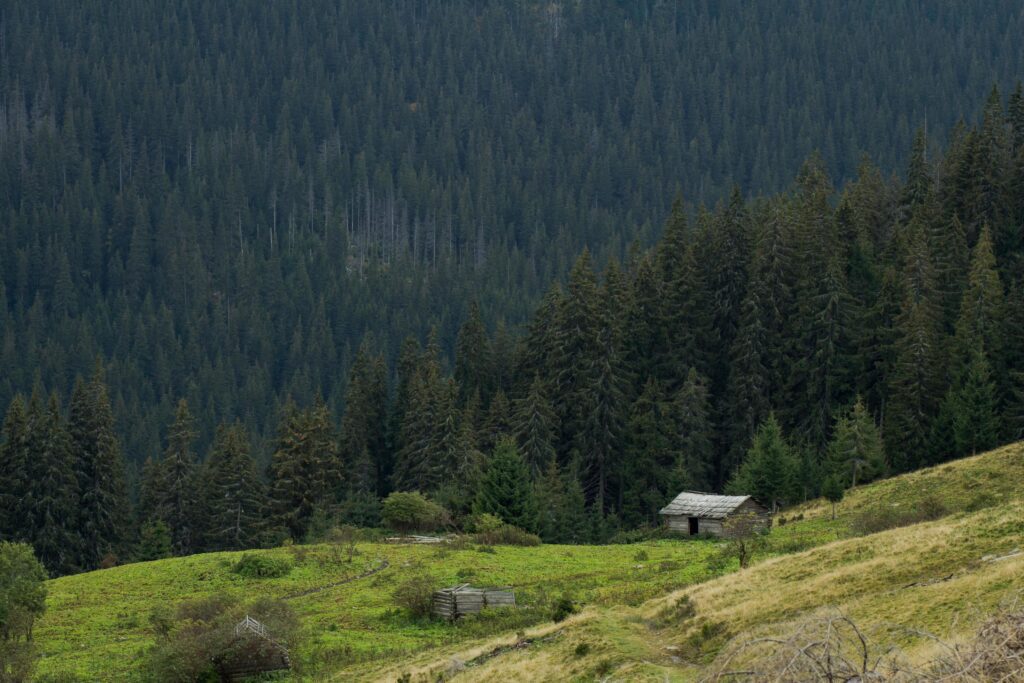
[[563, 608], [484, 523], [506, 534], [582, 650], [22, 601], [196, 639], [873, 520], [411, 511], [641, 556], [416, 595], [253, 566]]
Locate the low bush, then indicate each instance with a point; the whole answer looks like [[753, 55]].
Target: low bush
[[253, 566], [411, 511], [416, 595], [582, 650], [563, 608], [506, 534], [874, 520], [642, 534]]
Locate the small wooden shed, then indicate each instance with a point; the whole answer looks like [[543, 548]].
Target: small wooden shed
[[693, 512], [452, 603]]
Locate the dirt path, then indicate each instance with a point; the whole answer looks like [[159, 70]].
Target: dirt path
[[319, 589]]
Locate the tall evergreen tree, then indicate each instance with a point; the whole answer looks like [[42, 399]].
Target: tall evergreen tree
[[651, 456], [976, 425], [14, 469], [474, 365], [234, 492], [855, 453], [363, 443], [534, 428], [505, 490], [691, 408], [305, 469], [100, 470], [179, 497], [769, 471], [53, 491]]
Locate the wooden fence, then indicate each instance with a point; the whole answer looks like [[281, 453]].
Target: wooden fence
[[456, 601]]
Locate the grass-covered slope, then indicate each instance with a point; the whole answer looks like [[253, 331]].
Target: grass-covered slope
[[941, 577], [97, 623], [636, 622]]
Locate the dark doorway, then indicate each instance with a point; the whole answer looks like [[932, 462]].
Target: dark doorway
[[693, 526]]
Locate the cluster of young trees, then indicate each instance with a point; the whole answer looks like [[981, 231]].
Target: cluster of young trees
[[220, 198]]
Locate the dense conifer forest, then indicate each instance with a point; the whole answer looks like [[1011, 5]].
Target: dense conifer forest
[[264, 264]]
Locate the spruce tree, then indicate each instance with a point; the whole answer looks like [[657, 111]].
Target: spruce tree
[[976, 426], [179, 498], [651, 456], [54, 495], [982, 309], [362, 441], [769, 471], [497, 423], [305, 468], [14, 469], [505, 490], [856, 454], [916, 382], [234, 492], [549, 492], [534, 428], [100, 470], [692, 420], [474, 365]]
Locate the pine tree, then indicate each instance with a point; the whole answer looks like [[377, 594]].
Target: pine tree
[[916, 382], [549, 492], [534, 428], [362, 442], [981, 310], [178, 500], [305, 470], [856, 454], [651, 456], [154, 542], [976, 426], [100, 470], [234, 492], [53, 491], [14, 469], [497, 423], [691, 408], [573, 514], [769, 471], [833, 491], [474, 365], [505, 490]]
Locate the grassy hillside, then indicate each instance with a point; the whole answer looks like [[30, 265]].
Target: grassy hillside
[[942, 577], [96, 623], [636, 621]]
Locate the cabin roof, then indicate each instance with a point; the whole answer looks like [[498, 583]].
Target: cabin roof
[[706, 505]]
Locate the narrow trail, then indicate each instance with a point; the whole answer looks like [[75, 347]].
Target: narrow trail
[[319, 589]]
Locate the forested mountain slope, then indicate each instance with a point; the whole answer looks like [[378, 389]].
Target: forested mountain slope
[[221, 198]]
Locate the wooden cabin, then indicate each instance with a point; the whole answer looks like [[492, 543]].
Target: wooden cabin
[[456, 601], [692, 513]]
